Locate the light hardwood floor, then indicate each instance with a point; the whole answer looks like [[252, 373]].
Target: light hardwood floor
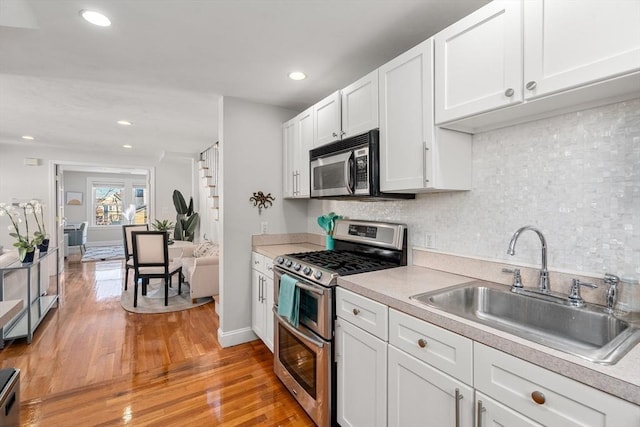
[[93, 364]]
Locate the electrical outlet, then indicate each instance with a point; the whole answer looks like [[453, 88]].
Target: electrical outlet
[[264, 226], [430, 240]]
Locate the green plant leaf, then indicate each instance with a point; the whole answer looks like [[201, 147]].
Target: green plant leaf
[[179, 203]]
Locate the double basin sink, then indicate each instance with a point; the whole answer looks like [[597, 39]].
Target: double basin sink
[[587, 332]]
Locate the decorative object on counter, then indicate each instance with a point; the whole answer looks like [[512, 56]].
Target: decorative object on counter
[[629, 294], [262, 201], [327, 223], [26, 245], [38, 211], [186, 218]]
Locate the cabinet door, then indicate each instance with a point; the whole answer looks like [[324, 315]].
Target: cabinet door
[[257, 304], [421, 395], [360, 106], [362, 377], [326, 114], [491, 413], [406, 115], [305, 143], [568, 44], [478, 62], [289, 142]]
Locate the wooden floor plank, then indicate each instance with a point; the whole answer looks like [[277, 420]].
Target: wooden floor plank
[[91, 363]]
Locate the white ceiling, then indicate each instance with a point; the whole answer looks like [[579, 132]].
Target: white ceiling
[[163, 64]]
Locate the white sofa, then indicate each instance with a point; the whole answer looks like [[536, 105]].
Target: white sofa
[[201, 272]]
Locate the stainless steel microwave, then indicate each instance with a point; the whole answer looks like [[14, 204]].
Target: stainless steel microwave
[[349, 168]]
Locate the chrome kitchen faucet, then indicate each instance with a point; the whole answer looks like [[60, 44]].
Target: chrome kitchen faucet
[[544, 286]]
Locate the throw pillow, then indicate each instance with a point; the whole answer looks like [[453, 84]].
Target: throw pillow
[[205, 249]]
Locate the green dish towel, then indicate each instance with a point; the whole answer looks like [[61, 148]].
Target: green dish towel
[[289, 299]]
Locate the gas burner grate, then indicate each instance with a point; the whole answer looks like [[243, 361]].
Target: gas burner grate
[[342, 262]]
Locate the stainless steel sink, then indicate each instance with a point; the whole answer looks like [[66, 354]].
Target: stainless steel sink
[[587, 332]]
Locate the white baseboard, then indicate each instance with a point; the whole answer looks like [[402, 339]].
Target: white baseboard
[[239, 336]]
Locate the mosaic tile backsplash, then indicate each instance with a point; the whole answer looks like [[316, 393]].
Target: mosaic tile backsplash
[[576, 177]]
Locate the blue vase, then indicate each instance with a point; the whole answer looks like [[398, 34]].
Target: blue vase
[[329, 242]]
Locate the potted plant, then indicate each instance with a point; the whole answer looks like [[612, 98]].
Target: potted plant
[[38, 211], [186, 218], [163, 225], [26, 246]]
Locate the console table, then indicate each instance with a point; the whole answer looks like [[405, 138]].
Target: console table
[[37, 302]]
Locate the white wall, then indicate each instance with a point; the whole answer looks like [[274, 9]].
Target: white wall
[[251, 160], [576, 177]]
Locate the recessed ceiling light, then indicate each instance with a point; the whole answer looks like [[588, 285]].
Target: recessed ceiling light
[[124, 122], [297, 75], [127, 146], [96, 18], [28, 137]]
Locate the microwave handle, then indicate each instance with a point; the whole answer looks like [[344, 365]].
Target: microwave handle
[[350, 169]]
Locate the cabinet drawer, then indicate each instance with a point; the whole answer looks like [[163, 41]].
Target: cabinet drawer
[[442, 349], [363, 312], [257, 262], [513, 382]]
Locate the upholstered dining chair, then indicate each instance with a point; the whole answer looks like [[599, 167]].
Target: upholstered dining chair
[[128, 247], [151, 261]]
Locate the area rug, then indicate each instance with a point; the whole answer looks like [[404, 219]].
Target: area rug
[[103, 253], [153, 302]]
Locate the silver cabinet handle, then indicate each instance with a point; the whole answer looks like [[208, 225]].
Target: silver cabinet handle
[[333, 134], [342, 133], [458, 398], [509, 92], [481, 409], [531, 85], [425, 165]]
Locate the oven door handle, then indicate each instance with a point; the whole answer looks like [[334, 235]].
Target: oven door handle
[[307, 338], [309, 288]]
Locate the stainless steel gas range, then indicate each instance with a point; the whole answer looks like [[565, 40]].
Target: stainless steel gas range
[[304, 355]]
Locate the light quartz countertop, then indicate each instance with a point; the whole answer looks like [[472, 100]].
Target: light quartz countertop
[[393, 287], [274, 251]]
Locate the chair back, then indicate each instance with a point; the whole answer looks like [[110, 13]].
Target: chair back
[[83, 231], [126, 233], [150, 249]]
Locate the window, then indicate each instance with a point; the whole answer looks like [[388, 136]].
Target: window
[[118, 202]]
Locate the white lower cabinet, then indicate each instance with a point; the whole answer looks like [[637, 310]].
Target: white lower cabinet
[[428, 376], [361, 358], [491, 413], [546, 397], [421, 395], [262, 298], [362, 377]]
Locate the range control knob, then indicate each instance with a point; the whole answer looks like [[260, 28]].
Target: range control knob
[[297, 266], [279, 260], [288, 263], [318, 274], [307, 271]]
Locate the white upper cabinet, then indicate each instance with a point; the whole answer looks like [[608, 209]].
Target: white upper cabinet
[[538, 58], [414, 155], [297, 141], [327, 116], [573, 43], [479, 62], [348, 112], [360, 106]]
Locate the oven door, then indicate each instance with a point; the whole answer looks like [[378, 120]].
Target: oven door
[[333, 175], [302, 361], [316, 304]]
